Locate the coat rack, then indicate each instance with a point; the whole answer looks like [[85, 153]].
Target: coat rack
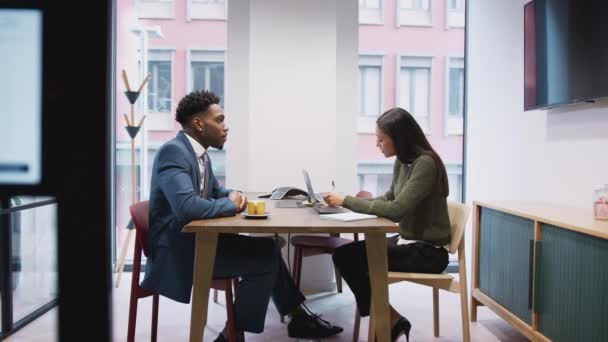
[[132, 130]]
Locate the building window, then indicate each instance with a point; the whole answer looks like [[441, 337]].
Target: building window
[[370, 12], [414, 13], [454, 171], [155, 9], [370, 85], [455, 13], [160, 85], [455, 96], [207, 9], [375, 176], [207, 72], [414, 88]]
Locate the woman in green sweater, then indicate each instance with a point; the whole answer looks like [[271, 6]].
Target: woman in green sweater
[[417, 200]]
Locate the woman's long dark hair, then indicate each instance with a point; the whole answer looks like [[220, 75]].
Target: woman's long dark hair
[[410, 142]]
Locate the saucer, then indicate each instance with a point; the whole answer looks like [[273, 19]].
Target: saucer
[[260, 216]]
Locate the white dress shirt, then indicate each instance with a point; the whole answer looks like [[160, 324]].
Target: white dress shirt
[[199, 151]]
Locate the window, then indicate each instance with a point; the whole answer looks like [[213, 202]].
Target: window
[[159, 87], [454, 171], [455, 96], [455, 13], [207, 9], [375, 176], [414, 88], [370, 85], [155, 9], [370, 12], [207, 72], [414, 13], [371, 88], [415, 4]]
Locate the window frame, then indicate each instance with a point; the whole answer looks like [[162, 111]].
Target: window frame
[[378, 22], [449, 12]]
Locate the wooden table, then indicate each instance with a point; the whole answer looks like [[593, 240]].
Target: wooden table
[[289, 220]]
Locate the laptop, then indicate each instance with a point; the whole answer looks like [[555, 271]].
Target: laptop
[[318, 204]]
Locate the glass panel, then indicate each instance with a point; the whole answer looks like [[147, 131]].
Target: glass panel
[[159, 87], [34, 258], [370, 90], [384, 183], [406, 4], [456, 91], [405, 88], [216, 80], [209, 76], [421, 92], [199, 73], [372, 4]]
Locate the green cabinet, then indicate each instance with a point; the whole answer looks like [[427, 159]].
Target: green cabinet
[[571, 295], [505, 260]]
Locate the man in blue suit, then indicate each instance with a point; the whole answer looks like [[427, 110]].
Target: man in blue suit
[[184, 189]]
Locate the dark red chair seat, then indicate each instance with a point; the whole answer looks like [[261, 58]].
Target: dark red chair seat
[[324, 243], [309, 245]]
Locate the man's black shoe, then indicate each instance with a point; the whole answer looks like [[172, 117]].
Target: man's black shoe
[[311, 327], [220, 338]]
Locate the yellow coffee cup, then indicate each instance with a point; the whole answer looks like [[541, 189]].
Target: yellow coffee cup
[[260, 208], [251, 207], [256, 207]]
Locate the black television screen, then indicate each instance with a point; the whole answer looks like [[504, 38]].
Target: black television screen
[[565, 52]]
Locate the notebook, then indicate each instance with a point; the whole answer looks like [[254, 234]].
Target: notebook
[[347, 217]]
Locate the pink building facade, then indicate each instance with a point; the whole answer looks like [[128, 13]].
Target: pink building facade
[[411, 56]]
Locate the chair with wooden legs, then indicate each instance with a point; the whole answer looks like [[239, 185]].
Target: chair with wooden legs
[[139, 215], [309, 245], [459, 213]]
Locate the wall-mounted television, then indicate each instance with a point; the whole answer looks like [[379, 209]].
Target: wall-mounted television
[[565, 52]]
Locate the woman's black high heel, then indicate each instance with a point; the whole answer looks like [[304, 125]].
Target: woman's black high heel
[[402, 327]]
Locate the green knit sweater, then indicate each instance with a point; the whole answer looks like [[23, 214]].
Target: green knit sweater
[[414, 200]]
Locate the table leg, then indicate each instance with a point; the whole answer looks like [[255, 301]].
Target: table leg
[[377, 260], [204, 259]]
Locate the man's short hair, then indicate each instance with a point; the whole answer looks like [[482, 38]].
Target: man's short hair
[[194, 103]]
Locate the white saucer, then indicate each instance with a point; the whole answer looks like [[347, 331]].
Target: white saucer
[[260, 216]]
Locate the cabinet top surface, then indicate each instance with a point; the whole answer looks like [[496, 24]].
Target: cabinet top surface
[[571, 218]]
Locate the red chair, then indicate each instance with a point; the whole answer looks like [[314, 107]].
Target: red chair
[[309, 245], [139, 215]]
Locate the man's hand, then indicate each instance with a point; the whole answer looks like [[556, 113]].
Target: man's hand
[[237, 199], [334, 199], [243, 203]]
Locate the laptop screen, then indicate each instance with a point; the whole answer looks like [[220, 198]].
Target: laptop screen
[[311, 193]]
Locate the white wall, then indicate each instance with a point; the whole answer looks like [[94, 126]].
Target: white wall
[[289, 91], [291, 77], [556, 156]]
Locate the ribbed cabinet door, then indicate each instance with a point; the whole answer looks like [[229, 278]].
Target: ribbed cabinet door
[[572, 294], [504, 260]]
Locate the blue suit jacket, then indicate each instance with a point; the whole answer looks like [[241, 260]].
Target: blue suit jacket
[[174, 202]]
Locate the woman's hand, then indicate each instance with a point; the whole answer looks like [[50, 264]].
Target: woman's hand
[[334, 199]]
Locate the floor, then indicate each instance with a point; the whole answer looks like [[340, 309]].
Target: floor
[[413, 301]]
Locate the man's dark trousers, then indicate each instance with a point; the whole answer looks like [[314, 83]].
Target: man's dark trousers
[[259, 264]]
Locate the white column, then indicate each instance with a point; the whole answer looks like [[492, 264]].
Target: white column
[[291, 81]]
